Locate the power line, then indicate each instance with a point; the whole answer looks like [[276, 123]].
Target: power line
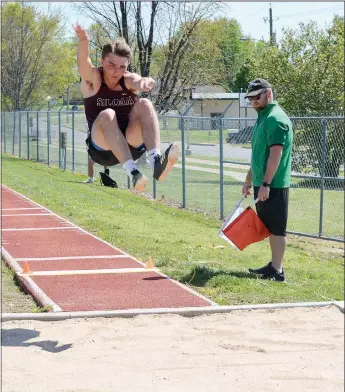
[[256, 12], [327, 9]]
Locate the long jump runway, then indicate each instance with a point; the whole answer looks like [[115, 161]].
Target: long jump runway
[[65, 267]]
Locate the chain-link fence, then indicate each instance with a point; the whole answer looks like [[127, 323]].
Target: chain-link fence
[[215, 157]]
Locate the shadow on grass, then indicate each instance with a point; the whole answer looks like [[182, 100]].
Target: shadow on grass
[[200, 275]]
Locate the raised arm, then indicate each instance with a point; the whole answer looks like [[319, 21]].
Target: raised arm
[[136, 82], [86, 70]]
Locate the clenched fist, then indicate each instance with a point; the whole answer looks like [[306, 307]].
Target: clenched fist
[[246, 189], [148, 84]]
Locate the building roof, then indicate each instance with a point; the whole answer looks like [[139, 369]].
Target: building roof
[[202, 96], [205, 88]]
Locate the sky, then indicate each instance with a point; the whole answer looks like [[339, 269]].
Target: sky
[[250, 15]]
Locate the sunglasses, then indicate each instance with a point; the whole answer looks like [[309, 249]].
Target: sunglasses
[[256, 97]]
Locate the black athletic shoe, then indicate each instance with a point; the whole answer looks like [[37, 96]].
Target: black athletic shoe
[[269, 272], [139, 181], [164, 163], [263, 270], [107, 171]]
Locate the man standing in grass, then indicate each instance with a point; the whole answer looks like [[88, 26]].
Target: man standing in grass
[[270, 172]]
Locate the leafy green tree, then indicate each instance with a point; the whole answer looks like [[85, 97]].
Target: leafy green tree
[[36, 62], [307, 73], [124, 19], [218, 53], [306, 70], [199, 52], [178, 63], [231, 50], [249, 51]]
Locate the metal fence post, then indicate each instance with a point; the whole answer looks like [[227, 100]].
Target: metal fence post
[[63, 148], [73, 156], [184, 193], [27, 135], [48, 136], [154, 189], [59, 119], [38, 137], [323, 165], [20, 134], [14, 131], [221, 169], [4, 132]]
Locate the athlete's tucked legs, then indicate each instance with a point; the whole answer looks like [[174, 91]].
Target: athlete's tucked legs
[[143, 127], [106, 134]]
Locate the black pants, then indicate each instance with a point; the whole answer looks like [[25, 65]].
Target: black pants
[[106, 157], [274, 211]]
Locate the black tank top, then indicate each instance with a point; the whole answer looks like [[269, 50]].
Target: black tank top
[[121, 101]]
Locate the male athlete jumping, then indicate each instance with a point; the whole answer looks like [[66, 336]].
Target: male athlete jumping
[[122, 127]]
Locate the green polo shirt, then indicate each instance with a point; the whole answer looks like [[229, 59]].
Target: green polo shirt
[[272, 127]]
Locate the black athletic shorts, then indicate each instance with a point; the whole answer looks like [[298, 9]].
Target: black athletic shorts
[[274, 211], [106, 157]]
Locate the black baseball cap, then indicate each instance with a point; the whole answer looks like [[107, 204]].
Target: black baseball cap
[[256, 86]]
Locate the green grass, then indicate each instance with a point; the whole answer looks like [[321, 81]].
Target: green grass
[[183, 244], [196, 136], [202, 188], [215, 166], [14, 300]]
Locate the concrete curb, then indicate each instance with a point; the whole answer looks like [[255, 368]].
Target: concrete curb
[[186, 312], [339, 304], [28, 284]]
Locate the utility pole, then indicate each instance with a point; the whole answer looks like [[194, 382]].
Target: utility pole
[[271, 26], [270, 18]]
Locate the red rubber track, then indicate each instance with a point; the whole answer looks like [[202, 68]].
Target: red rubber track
[[50, 243]]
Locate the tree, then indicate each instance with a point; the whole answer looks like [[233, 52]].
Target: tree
[[166, 34], [178, 62], [114, 19], [213, 54], [35, 60], [98, 38], [231, 50], [307, 69], [307, 74], [249, 51]]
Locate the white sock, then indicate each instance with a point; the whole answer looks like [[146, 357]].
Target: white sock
[[129, 166], [92, 179], [152, 153], [278, 270]]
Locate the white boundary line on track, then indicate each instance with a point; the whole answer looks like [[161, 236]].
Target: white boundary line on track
[[89, 272], [119, 250], [26, 214], [38, 294], [84, 231], [40, 228], [21, 209], [72, 258]]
